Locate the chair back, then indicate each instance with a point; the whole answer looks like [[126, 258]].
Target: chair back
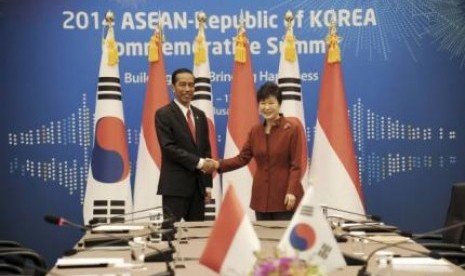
[[9, 243], [29, 261], [9, 269], [456, 214]]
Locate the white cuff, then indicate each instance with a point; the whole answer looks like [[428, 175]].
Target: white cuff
[[200, 164]]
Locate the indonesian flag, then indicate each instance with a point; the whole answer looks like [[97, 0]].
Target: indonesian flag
[[203, 100], [243, 115], [149, 154], [334, 170], [290, 85], [233, 241], [309, 236], [108, 189]]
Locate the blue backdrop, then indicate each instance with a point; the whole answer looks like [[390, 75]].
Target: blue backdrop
[[403, 65]]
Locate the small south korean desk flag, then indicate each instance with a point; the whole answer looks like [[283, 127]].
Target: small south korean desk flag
[[309, 236]]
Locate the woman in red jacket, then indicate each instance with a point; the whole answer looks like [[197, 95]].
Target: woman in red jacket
[[276, 145]]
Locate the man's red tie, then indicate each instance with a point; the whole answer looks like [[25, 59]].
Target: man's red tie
[[190, 123]]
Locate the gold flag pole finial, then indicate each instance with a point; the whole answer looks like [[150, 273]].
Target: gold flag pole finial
[[110, 18], [334, 51], [241, 41], [200, 53], [161, 20], [110, 42], [155, 40], [289, 17], [289, 39], [202, 18]]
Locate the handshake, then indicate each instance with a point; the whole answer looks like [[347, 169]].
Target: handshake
[[210, 165]]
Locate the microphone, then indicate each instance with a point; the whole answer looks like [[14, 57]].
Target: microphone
[[372, 224], [164, 255], [168, 222], [433, 254], [166, 233], [102, 227], [90, 242], [364, 226], [120, 218], [325, 209], [60, 221], [108, 240], [352, 260]]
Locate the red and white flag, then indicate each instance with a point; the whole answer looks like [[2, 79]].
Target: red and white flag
[[231, 245], [334, 170], [108, 190], [309, 237], [243, 115], [149, 153], [290, 84], [203, 96]]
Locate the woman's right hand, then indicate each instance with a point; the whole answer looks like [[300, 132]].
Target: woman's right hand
[[289, 201]]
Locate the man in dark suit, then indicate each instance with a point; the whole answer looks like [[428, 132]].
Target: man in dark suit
[[182, 131]]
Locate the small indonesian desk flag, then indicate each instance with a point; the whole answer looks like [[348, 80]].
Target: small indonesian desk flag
[[233, 241], [309, 236]]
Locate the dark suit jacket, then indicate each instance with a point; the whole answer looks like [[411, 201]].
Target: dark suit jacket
[[180, 154]]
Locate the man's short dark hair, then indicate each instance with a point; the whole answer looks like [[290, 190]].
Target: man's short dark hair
[[267, 90], [179, 71]]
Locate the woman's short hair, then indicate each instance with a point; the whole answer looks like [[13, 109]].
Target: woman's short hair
[[267, 90]]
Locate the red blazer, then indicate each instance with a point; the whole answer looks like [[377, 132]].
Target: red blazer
[[278, 161]]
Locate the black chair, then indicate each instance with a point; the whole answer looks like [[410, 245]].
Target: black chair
[[455, 215], [451, 244], [8, 243], [9, 269], [15, 259]]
